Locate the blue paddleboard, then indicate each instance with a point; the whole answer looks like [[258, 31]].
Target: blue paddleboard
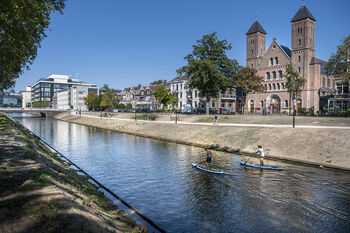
[[206, 170], [262, 167]]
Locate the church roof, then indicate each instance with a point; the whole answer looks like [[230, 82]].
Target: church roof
[[256, 27], [287, 50], [303, 13], [315, 60]]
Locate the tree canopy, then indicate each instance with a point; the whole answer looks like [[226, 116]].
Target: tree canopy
[[248, 81], [339, 63], [209, 67], [294, 82], [22, 28], [164, 97], [90, 100]]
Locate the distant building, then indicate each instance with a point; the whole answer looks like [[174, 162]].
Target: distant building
[[341, 99], [180, 88], [26, 97], [10, 101], [46, 89], [72, 98], [271, 65]]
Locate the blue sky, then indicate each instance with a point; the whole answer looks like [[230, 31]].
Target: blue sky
[[127, 42]]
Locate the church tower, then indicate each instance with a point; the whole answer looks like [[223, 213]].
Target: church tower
[[256, 40], [303, 43]]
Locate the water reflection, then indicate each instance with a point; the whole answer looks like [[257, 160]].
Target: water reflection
[[157, 179]]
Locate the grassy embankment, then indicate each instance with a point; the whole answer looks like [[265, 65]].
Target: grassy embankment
[[41, 193]]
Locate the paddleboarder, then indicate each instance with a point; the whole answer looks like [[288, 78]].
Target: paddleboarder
[[262, 154], [208, 159]]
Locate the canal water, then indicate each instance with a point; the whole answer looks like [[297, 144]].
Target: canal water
[[157, 179]]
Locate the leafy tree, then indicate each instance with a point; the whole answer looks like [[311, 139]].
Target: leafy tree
[[128, 106], [90, 100], [23, 24], [209, 67], [294, 83], [339, 63], [248, 81], [109, 99], [104, 103], [41, 104], [164, 97], [157, 82]]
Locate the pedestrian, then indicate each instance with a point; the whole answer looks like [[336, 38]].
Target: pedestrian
[[216, 120], [262, 154]]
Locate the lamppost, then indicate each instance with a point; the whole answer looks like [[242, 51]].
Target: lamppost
[[294, 104]]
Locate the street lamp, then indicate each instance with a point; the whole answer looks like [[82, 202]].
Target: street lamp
[[294, 104]]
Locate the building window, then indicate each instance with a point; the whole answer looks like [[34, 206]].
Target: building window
[[268, 77], [299, 58], [276, 59], [270, 87], [213, 103], [251, 65], [300, 30], [299, 42], [180, 94], [280, 74], [195, 103], [222, 105], [274, 75], [252, 42], [299, 69], [286, 103], [262, 104], [271, 61], [278, 86]]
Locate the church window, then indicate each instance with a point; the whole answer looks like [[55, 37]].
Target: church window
[[278, 86], [276, 59], [299, 58], [252, 42], [274, 75], [299, 42], [252, 52], [286, 103], [274, 86], [300, 30], [268, 76], [299, 69], [280, 74], [271, 61]]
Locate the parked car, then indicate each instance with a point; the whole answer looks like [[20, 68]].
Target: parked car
[[213, 111], [200, 110], [226, 111]]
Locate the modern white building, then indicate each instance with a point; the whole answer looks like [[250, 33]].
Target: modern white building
[[45, 90], [73, 98], [27, 97]]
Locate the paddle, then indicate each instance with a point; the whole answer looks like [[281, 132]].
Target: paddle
[[249, 157]]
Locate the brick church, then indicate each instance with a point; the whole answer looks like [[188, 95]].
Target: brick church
[[271, 64]]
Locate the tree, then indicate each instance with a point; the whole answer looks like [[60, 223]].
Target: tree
[[293, 85], [164, 97], [209, 67], [90, 100], [22, 29], [339, 63], [109, 99], [157, 82], [248, 81]]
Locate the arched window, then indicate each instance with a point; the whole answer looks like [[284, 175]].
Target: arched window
[[286, 103], [280, 74], [274, 86], [268, 77], [299, 69], [299, 42], [274, 75], [265, 86], [278, 86], [299, 58], [276, 59], [271, 61], [270, 87]]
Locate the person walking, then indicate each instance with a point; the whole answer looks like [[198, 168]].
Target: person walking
[[216, 120]]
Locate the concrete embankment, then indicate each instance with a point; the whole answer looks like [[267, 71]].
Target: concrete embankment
[[39, 192], [315, 146]]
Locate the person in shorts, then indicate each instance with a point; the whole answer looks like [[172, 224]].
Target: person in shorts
[[208, 159], [261, 152]]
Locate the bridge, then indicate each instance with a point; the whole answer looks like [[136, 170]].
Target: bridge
[[42, 111]]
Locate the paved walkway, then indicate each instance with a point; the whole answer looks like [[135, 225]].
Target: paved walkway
[[228, 124]]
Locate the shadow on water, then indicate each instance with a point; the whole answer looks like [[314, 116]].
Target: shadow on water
[[157, 179]]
